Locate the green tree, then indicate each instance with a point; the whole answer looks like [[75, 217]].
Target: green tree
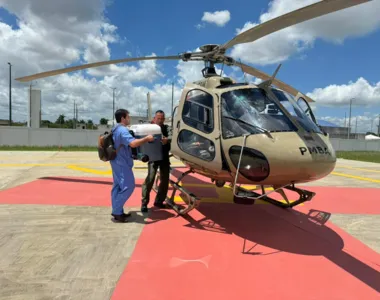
[[103, 121], [60, 120]]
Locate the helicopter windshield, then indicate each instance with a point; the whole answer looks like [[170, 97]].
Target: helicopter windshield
[[251, 111]]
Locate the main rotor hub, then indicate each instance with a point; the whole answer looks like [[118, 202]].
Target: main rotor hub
[[208, 47]]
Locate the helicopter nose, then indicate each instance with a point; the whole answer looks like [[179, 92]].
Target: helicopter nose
[[316, 160], [285, 159]]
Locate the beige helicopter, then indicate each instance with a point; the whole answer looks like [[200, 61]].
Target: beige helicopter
[[243, 133]]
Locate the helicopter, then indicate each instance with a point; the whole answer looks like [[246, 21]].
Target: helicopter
[[242, 133]]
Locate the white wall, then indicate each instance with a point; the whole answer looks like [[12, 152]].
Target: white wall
[[67, 137], [355, 145], [21, 136]]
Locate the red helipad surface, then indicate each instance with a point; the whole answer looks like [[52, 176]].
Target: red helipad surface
[[228, 251]]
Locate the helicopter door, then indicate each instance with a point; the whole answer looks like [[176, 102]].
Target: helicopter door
[[195, 137], [304, 105]]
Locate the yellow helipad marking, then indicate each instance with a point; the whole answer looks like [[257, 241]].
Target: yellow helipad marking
[[32, 165], [77, 167], [87, 170], [356, 177], [48, 164], [359, 169], [70, 165], [252, 187]]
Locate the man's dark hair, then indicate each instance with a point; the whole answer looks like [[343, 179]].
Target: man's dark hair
[[160, 112], [121, 113]]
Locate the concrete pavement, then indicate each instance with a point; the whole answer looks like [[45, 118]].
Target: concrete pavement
[[71, 251]]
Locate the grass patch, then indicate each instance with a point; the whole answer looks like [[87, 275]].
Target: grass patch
[[47, 148], [368, 156]]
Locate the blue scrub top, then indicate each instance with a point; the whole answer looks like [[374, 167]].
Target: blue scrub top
[[121, 135]]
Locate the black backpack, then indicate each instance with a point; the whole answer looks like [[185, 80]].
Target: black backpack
[[106, 147]]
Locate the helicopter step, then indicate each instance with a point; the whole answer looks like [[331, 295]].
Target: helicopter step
[[248, 197], [191, 201]]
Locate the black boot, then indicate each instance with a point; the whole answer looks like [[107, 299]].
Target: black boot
[[120, 218], [144, 208]]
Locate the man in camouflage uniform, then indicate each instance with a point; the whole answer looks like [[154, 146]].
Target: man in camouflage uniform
[[164, 166]]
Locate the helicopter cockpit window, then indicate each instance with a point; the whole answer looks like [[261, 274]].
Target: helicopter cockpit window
[[196, 145], [198, 111], [250, 111], [296, 111]]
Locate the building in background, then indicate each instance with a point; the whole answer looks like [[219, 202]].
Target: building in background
[[339, 132], [34, 113]]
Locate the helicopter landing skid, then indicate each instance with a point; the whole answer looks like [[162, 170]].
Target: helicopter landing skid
[[244, 196], [191, 201]]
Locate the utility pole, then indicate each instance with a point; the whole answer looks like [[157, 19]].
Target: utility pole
[[113, 106], [149, 106], [378, 127], [74, 115], [345, 119], [171, 113], [10, 94], [356, 127], [349, 121]]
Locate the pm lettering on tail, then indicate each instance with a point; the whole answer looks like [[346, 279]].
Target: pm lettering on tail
[[316, 150]]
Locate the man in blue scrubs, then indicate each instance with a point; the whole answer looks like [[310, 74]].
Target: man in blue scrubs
[[123, 177]]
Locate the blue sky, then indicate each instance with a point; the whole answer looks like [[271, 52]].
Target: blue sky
[[155, 26], [165, 28]]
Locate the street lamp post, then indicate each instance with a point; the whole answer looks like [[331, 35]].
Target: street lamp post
[[349, 120], [10, 94], [172, 99]]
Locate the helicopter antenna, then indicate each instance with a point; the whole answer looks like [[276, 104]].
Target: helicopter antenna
[[245, 78], [268, 83]]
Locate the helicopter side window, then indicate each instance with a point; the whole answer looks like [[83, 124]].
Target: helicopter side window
[[198, 111], [196, 145]]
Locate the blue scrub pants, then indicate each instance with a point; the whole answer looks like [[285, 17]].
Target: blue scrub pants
[[123, 187]]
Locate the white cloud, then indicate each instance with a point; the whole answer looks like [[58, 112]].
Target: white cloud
[[220, 18], [335, 27], [55, 34], [94, 98], [200, 26], [365, 93], [52, 34]]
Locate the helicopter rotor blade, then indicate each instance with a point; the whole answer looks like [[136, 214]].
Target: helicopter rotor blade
[[282, 85], [90, 65], [297, 16]]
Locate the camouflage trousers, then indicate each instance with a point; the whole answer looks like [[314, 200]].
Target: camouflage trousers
[[149, 181]]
